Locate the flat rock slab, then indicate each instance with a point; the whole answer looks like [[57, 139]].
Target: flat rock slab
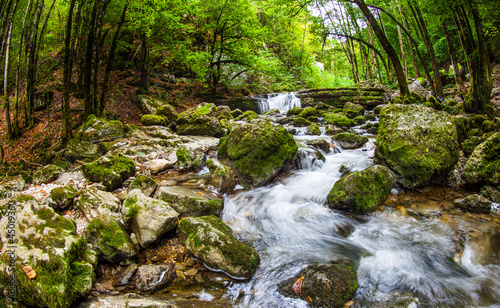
[[191, 202]]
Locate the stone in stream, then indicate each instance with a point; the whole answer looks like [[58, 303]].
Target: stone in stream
[[146, 184], [257, 152], [418, 143], [247, 116], [361, 192], [490, 193], [322, 285], [353, 110], [48, 243], [320, 144], [148, 218], [199, 121], [149, 278], [473, 204], [159, 165], [483, 165], [212, 242], [221, 177], [111, 171], [188, 161], [349, 141], [189, 202]]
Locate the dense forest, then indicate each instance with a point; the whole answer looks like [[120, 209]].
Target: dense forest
[[75, 48]]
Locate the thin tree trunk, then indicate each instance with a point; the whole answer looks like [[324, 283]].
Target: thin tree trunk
[[5, 84], [403, 55], [87, 70], [410, 44], [67, 75]]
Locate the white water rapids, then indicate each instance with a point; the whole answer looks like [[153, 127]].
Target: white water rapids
[[290, 226], [281, 101]]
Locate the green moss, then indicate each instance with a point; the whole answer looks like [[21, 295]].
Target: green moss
[[294, 111], [247, 116], [359, 120], [301, 122], [308, 112], [22, 198], [184, 156], [111, 172], [313, 129], [152, 119], [142, 182], [62, 195], [61, 164], [54, 221], [470, 144], [110, 236], [338, 119], [134, 208], [349, 141]]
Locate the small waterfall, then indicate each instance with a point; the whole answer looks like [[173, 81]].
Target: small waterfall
[[281, 101]]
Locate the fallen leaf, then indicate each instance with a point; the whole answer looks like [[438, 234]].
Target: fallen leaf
[[427, 150], [310, 299], [200, 193], [297, 286], [29, 271]]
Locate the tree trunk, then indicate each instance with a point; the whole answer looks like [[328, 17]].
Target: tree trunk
[[5, 83], [403, 55], [67, 75], [87, 70], [391, 53]]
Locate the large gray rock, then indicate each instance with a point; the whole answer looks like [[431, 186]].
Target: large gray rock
[[47, 174], [146, 184], [418, 143], [48, 243], [191, 202], [212, 242], [221, 177], [128, 300], [111, 171], [257, 152], [96, 129], [78, 149], [483, 165], [199, 121], [94, 203], [154, 276], [148, 218], [361, 192]]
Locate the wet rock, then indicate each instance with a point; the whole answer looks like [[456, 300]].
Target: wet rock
[[308, 112], [94, 203], [124, 277], [272, 112], [473, 204], [191, 202], [320, 144], [490, 193], [148, 218], [484, 164], [63, 197], [96, 129], [47, 174], [111, 171], [153, 120], [295, 111], [257, 152], [109, 239], [361, 192], [199, 121], [221, 177], [396, 299], [322, 285], [353, 110], [338, 119], [301, 122], [149, 278], [455, 176], [418, 143], [77, 149], [236, 113], [247, 116], [418, 92], [159, 165], [313, 130], [213, 243], [188, 161], [48, 243], [350, 141], [333, 130], [146, 184], [129, 300]]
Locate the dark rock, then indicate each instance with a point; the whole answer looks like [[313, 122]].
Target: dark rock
[[350, 141], [473, 204], [149, 278]]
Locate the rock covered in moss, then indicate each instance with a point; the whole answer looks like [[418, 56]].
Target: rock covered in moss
[[212, 242], [111, 171], [323, 285], [221, 177], [308, 112], [470, 144], [97, 129], [301, 122], [188, 161], [333, 130], [109, 239], [247, 116], [48, 243], [490, 193], [294, 111], [361, 192], [352, 110], [149, 104], [152, 120], [313, 130], [94, 203], [168, 113], [79, 149], [199, 121], [47, 174], [189, 202], [153, 277], [483, 165], [236, 113], [257, 151], [418, 143], [224, 112], [148, 218], [474, 204], [338, 119], [349, 141], [320, 144], [146, 184], [63, 197]]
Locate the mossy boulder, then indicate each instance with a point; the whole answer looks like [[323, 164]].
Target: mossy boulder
[[319, 144], [272, 112], [236, 113], [483, 165], [149, 104], [295, 111], [148, 218], [109, 239], [111, 171], [47, 174], [191, 202], [247, 116], [352, 110], [333, 130], [48, 243], [168, 113], [361, 192], [470, 144], [188, 161], [359, 120], [323, 285], [221, 177], [490, 193], [96, 129], [63, 197], [212, 242], [94, 203], [308, 112], [224, 112], [313, 130], [349, 141], [199, 121], [257, 152], [146, 184], [83, 150], [301, 122], [473, 204], [418, 143], [338, 119], [152, 120]]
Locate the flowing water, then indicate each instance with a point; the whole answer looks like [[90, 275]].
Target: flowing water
[[412, 244], [281, 101]]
